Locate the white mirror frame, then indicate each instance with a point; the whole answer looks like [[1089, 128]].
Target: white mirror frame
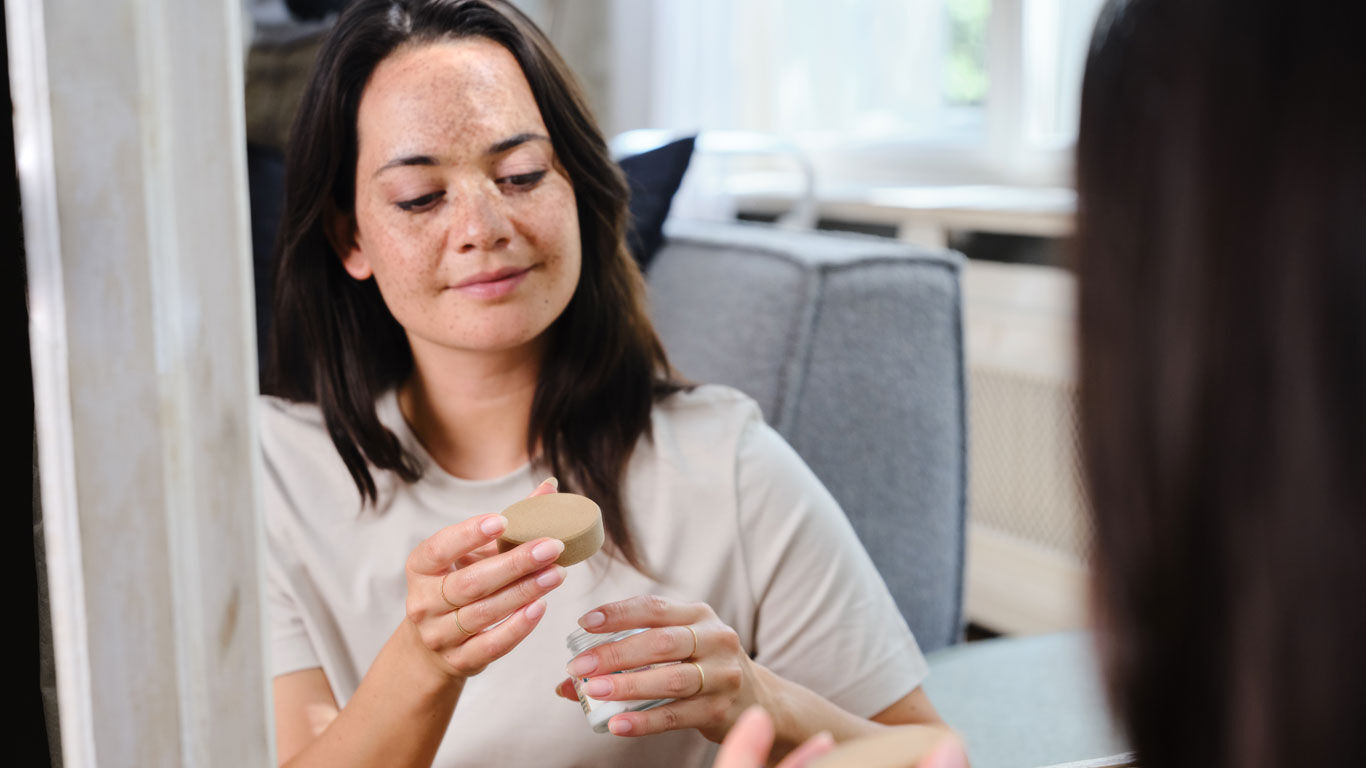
[[131, 155]]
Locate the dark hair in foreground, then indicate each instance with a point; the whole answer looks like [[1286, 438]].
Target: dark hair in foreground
[[335, 342], [1221, 171]]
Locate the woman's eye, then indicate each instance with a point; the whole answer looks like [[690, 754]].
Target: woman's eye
[[420, 203], [523, 180]]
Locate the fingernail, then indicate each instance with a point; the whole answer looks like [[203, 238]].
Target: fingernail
[[619, 726], [583, 666], [551, 577], [535, 610], [547, 550], [494, 525], [552, 482], [597, 687], [592, 619]]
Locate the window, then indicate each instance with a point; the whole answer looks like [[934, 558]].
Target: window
[[823, 71], [1056, 34], [965, 58], [950, 91]]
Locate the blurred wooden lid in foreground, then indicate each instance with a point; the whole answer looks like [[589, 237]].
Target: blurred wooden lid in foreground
[[896, 748]]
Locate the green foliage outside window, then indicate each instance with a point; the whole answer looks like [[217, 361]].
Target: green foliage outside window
[[965, 70]]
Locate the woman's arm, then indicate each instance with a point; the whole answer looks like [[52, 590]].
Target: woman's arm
[[466, 608], [304, 707], [397, 717]]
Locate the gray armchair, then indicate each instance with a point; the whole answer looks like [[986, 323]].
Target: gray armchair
[[852, 347]]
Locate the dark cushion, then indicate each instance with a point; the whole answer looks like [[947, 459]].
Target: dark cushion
[[653, 177], [314, 9]]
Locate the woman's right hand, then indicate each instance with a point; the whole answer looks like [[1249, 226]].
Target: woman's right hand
[[460, 589]]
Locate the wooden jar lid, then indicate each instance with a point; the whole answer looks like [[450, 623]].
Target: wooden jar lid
[[569, 517], [896, 748]]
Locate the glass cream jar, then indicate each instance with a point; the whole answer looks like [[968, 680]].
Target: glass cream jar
[[599, 712]]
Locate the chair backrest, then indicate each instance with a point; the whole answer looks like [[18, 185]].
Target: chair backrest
[[853, 348]]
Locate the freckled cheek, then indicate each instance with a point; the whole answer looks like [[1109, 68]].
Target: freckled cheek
[[405, 281], [406, 254], [557, 240]]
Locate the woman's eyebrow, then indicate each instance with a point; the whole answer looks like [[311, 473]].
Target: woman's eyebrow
[[400, 162], [494, 149], [514, 141]]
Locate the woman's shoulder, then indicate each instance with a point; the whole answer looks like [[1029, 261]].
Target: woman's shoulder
[[716, 399], [294, 441], [714, 404], [708, 418], [278, 409], [713, 422], [304, 471], [284, 421]]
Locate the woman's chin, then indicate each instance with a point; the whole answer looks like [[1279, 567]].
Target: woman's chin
[[502, 343]]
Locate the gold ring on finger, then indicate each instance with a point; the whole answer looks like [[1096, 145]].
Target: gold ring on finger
[[456, 614], [694, 642], [701, 678], [455, 609], [453, 606]]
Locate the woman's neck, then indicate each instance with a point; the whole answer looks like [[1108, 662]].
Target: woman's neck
[[472, 410]]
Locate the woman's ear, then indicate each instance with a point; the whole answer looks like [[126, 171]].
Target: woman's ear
[[341, 234]]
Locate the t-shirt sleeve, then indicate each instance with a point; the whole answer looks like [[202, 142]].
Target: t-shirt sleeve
[[824, 616], [290, 647]]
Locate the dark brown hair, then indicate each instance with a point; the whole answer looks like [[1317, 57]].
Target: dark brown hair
[[1221, 246], [335, 342]]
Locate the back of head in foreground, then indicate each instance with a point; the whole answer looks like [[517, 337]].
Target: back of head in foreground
[[1221, 171]]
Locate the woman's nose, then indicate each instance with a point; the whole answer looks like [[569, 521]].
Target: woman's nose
[[480, 222]]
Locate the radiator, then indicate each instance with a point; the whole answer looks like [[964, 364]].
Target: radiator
[[1028, 532]]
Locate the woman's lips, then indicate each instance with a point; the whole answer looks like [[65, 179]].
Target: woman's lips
[[493, 285]]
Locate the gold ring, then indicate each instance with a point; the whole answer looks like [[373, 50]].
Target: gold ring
[[453, 606], [456, 614], [694, 642], [701, 678], [455, 609]]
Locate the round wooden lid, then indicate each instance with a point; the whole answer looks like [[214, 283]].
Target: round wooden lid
[[569, 517], [896, 748]]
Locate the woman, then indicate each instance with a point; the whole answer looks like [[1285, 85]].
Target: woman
[[457, 317]]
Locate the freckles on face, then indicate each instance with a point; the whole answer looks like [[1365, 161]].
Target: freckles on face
[[464, 216]]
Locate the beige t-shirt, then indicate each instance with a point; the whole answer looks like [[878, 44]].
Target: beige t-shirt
[[723, 510]]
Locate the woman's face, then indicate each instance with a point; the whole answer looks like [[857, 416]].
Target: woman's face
[[463, 214]]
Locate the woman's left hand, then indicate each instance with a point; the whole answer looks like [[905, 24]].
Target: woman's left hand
[[712, 685]]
